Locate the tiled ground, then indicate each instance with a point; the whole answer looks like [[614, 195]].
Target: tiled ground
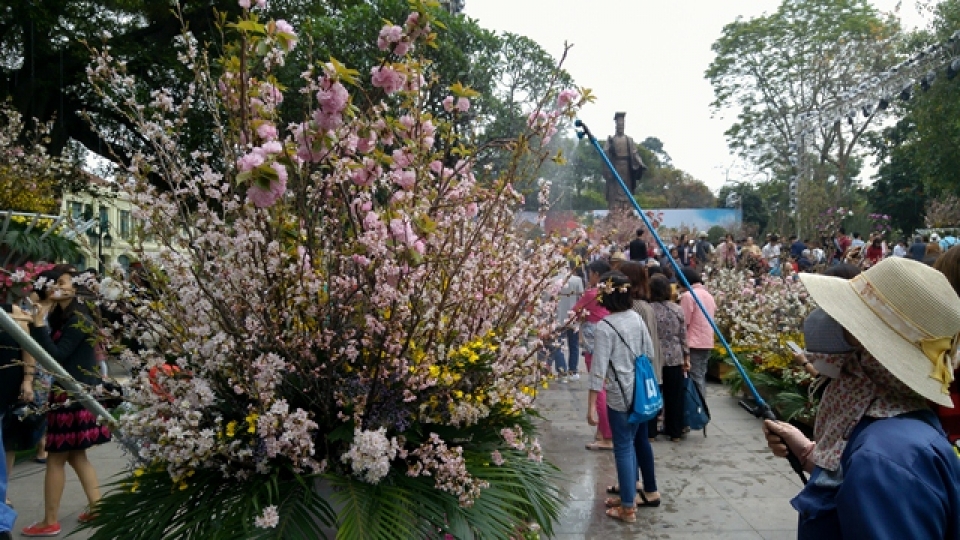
[[724, 486]]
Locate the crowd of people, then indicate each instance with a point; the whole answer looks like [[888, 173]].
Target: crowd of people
[[613, 309], [885, 459]]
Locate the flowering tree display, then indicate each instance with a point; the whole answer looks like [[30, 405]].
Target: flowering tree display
[[30, 182], [344, 318], [758, 315]]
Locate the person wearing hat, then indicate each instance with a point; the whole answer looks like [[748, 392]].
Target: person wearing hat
[[617, 259], [882, 466]]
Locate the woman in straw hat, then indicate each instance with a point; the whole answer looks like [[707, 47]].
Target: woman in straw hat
[[882, 466]]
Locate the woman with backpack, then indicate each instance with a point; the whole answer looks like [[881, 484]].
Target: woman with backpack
[[620, 338]]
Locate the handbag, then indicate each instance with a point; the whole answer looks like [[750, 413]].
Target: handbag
[[647, 400], [23, 426], [696, 415]]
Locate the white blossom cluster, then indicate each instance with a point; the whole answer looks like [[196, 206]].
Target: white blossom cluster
[[371, 453]]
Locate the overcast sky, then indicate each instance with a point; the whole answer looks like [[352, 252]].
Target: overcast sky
[[647, 59]]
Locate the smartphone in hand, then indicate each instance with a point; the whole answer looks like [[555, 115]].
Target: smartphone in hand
[[27, 306], [794, 347]]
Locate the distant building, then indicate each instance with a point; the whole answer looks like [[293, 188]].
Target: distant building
[[105, 219]]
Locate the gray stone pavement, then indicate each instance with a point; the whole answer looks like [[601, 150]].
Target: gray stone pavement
[[26, 489], [725, 486]]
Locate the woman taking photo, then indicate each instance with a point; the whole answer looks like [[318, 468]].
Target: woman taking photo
[[882, 465], [71, 429], [620, 338]]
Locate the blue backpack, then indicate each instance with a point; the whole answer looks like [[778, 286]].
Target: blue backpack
[[647, 400], [696, 415]]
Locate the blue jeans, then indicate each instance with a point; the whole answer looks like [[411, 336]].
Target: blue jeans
[[631, 449], [556, 357], [573, 347], [7, 515]]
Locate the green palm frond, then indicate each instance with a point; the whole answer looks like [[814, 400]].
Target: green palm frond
[[210, 507], [384, 511], [36, 247]]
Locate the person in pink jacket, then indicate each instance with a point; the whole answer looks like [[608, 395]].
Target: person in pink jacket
[[699, 330]]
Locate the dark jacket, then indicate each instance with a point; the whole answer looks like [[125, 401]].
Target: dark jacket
[[72, 347], [638, 250], [11, 371]]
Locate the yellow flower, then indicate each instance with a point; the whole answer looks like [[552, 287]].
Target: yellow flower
[[139, 472], [135, 487], [232, 428], [458, 394], [252, 422], [434, 371]]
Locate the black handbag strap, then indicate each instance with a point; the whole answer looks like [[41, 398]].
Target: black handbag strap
[[614, 369]]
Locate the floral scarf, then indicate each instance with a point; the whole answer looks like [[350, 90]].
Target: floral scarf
[[864, 388]]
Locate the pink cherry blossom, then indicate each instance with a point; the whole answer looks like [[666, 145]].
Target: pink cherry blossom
[[245, 4], [404, 179], [567, 97], [401, 158], [327, 121], [389, 34], [448, 103], [281, 174], [267, 131], [387, 78], [286, 28], [463, 104], [262, 197], [333, 98], [366, 145], [250, 161], [270, 147], [401, 48]]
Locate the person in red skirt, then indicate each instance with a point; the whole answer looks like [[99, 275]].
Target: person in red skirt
[[71, 429]]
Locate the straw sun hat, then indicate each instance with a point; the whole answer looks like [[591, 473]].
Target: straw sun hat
[[905, 314]]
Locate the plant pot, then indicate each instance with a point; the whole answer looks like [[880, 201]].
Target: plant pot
[[718, 370]]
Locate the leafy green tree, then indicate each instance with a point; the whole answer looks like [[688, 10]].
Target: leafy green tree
[[755, 210], [800, 58], [933, 114], [655, 145], [897, 192]]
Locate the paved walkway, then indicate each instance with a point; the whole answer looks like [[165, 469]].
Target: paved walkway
[[724, 486]]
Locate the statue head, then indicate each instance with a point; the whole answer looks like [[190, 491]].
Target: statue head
[[619, 119]]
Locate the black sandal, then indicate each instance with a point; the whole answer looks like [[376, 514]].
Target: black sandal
[[646, 503], [615, 489]]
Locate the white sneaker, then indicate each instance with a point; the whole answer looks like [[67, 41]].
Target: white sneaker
[[575, 377]]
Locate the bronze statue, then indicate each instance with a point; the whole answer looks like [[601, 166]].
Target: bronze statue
[[622, 152]]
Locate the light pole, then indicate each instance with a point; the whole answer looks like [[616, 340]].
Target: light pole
[[100, 236]]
